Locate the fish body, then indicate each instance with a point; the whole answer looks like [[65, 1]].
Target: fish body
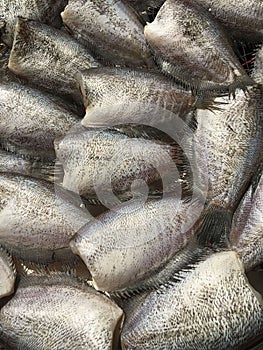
[[258, 70], [47, 11], [246, 236], [242, 18], [7, 274], [191, 47], [48, 57], [30, 121], [111, 29], [130, 91], [205, 310], [232, 151], [126, 245], [38, 220], [58, 312], [108, 162]]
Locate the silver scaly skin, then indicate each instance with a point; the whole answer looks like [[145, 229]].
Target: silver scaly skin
[[38, 220], [48, 57], [243, 18], [246, 236], [30, 120], [213, 307], [46, 11], [58, 312], [7, 274], [190, 46], [111, 29]]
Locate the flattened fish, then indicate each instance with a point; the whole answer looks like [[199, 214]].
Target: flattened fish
[[111, 29], [246, 237], [123, 247], [38, 220], [7, 274], [104, 88], [48, 58], [30, 121], [46, 11], [111, 164], [58, 312], [213, 307], [232, 151], [242, 18], [190, 46]]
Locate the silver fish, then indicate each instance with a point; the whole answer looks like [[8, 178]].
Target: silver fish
[[111, 29], [139, 97], [58, 312], [110, 163], [37, 220], [206, 310], [246, 236], [242, 18], [48, 58], [123, 247], [191, 47], [7, 274], [30, 121], [46, 11], [232, 151], [258, 71]]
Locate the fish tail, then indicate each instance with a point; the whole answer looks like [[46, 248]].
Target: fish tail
[[241, 82], [52, 172], [214, 228]]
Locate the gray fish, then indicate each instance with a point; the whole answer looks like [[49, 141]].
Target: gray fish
[[7, 274], [111, 29], [213, 307], [17, 164], [131, 242], [37, 220], [258, 71], [58, 312], [190, 46], [30, 121], [48, 58], [130, 91], [47, 11], [242, 18], [232, 151], [246, 236], [111, 164]]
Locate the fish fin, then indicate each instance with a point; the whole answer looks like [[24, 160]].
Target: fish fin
[[214, 226], [240, 82], [8, 257]]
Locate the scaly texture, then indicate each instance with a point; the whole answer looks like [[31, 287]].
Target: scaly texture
[[7, 274], [37, 220], [56, 312], [247, 232], [111, 29], [190, 46], [213, 307], [48, 57]]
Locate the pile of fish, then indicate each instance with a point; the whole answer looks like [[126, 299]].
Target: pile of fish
[[131, 186]]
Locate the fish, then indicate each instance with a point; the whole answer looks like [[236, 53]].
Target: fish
[[38, 219], [48, 58], [230, 142], [111, 29], [243, 19], [190, 46], [131, 242], [41, 10], [115, 164], [63, 313], [246, 236], [114, 96], [30, 120], [205, 310], [258, 69], [7, 274]]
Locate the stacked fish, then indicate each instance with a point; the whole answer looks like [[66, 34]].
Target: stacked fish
[[159, 128]]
